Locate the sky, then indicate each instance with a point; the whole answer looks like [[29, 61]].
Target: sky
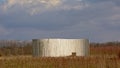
[[96, 20]]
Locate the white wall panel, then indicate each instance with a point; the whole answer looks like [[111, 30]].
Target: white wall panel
[[60, 47]]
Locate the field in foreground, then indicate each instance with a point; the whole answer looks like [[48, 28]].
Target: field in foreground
[[105, 56], [60, 62]]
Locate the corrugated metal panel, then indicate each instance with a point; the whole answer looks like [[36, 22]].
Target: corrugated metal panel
[[60, 47]]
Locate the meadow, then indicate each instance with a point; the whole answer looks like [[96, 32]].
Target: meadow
[[107, 56], [60, 62]]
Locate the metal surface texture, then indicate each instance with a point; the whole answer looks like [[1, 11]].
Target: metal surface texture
[[60, 47]]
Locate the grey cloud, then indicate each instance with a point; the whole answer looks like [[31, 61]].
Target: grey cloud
[[96, 1], [4, 31], [97, 22], [116, 2], [51, 20], [36, 7]]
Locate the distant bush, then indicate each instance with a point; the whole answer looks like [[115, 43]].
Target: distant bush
[[118, 54], [1, 54]]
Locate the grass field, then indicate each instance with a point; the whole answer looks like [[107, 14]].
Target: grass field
[[60, 62], [100, 57]]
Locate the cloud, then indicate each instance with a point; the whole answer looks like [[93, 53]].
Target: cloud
[[30, 5], [39, 6], [96, 20], [51, 17], [3, 31], [116, 2]]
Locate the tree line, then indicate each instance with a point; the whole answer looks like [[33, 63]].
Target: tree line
[[14, 48]]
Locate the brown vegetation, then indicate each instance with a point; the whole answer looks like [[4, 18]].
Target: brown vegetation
[[60, 62], [104, 55], [13, 49]]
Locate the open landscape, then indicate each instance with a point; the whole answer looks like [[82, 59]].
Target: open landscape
[[104, 55], [59, 33]]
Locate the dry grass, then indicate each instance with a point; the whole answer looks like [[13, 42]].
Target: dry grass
[[60, 62], [101, 57]]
